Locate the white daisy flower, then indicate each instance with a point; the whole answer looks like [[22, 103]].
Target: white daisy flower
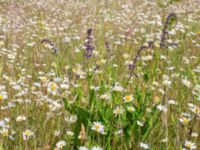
[[20, 118], [98, 127], [27, 134], [61, 144], [118, 88], [52, 88], [190, 145], [128, 98], [186, 83], [118, 110], [3, 96], [4, 132], [162, 108], [144, 145]]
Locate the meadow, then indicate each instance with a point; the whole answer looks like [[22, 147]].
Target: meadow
[[99, 74]]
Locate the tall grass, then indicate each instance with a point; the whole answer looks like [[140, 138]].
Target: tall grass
[[99, 74]]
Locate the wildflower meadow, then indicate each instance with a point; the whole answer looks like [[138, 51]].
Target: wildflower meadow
[[99, 74]]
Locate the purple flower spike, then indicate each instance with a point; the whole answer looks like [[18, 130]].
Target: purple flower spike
[[89, 44]]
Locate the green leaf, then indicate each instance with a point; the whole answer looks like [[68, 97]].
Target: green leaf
[[92, 99], [127, 132], [150, 123], [83, 117], [66, 104], [107, 113], [138, 94], [146, 76]]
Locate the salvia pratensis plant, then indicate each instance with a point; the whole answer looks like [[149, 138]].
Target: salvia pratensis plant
[[132, 66], [89, 44], [53, 46], [169, 19]]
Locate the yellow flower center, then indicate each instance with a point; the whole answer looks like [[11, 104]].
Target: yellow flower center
[[44, 79], [189, 145], [196, 110], [97, 126], [1, 97], [53, 87], [128, 98], [118, 110], [28, 133], [185, 120], [33, 88]]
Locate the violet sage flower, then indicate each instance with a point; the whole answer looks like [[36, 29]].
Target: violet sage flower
[[89, 44]]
